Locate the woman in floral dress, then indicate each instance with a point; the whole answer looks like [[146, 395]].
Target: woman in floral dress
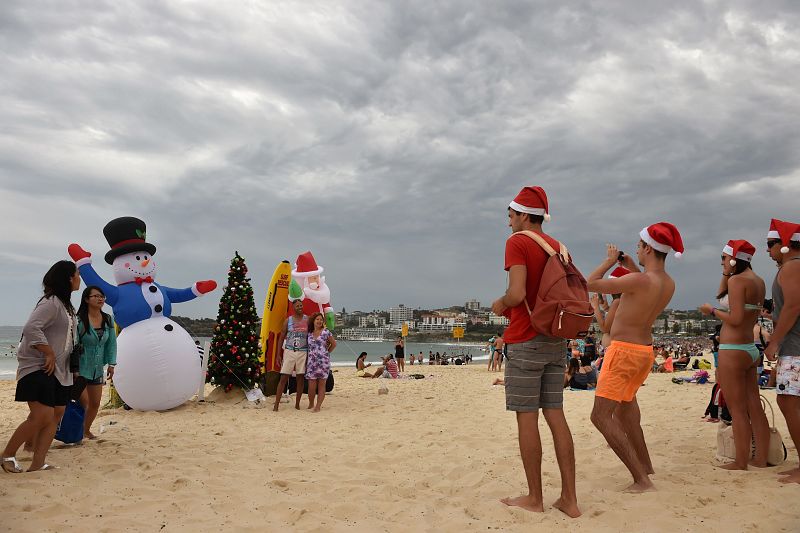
[[320, 345]]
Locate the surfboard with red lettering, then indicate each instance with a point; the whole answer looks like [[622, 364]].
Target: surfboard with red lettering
[[275, 308]]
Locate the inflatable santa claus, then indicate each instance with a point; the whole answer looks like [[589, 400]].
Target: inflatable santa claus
[[316, 294]]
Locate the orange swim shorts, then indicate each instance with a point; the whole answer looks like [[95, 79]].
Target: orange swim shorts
[[625, 367]]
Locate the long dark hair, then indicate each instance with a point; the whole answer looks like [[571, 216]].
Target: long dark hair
[[362, 355], [574, 365], [58, 282], [83, 309]]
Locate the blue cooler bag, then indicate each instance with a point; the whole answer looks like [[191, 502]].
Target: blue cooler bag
[[70, 430]]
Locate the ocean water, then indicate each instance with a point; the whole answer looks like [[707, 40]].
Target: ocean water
[[9, 338], [344, 355]]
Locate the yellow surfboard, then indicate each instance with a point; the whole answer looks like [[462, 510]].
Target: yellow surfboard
[[276, 307]]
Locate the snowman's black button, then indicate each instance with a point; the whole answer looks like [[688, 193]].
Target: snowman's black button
[[168, 327], [158, 308], [153, 288]]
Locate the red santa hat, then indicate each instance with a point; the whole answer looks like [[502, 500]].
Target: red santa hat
[[739, 249], [785, 231], [306, 266], [663, 237], [619, 272], [531, 200]]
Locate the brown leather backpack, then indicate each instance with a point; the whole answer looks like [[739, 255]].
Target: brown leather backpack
[[562, 307]]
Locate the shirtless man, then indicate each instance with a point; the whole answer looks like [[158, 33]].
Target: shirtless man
[[499, 343], [629, 357]]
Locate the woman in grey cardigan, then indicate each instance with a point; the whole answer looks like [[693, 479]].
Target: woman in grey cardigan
[[43, 376]]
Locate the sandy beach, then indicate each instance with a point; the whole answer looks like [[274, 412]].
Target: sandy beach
[[433, 455]]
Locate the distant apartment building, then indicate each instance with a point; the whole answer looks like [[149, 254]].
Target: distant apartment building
[[479, 318], [363, 333], [441, 322], [498, 320], [400, 314], [472, 305], [371, 321]]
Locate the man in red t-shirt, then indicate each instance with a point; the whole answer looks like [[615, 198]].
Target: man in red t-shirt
[[534, 376]]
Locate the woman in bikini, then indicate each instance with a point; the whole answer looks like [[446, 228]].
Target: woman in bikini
[[361, 367], [741, 296]]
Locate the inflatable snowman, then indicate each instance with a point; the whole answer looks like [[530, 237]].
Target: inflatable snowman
[[157, 364]]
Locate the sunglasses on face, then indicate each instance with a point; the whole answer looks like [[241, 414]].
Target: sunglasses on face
[[771, 243]]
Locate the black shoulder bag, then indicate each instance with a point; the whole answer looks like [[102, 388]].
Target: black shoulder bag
[[77, 352]]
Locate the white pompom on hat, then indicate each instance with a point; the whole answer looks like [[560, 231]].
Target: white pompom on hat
[[531, 200], [739, 249], [786, 232], [663, 237]]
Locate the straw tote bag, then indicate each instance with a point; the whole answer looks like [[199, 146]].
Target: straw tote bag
[[777, 450], [776, 454]]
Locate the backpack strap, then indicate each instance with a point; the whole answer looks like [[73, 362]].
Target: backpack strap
[[563, 252]]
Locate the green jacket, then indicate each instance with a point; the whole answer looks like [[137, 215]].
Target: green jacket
[[96, 352]]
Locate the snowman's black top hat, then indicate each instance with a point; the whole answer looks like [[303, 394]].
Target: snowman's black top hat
[[126, 235]]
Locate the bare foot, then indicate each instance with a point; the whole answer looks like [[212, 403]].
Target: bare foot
[[756, 464], [89, 435], [316, 409], [526, 502], [570, 509], [310, 406], [640, 486], [789, 472], [297, 406], [732, 466], [791, 478], [275, 407]]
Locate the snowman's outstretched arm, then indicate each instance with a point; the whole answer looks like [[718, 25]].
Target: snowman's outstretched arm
[[184, 295], [83, 260]]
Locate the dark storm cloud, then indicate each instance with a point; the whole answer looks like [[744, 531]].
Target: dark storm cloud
[[388, 138]]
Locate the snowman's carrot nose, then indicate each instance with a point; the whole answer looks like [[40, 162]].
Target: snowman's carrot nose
[[145, 263]]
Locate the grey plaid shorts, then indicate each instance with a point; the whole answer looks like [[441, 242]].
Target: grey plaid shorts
[[535, 374]]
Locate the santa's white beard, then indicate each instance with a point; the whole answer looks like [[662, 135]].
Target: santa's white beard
[[322, 295]]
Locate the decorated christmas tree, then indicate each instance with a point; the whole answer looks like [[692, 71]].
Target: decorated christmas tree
[[234, 347]]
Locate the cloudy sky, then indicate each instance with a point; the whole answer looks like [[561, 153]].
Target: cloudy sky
[[388, 137]]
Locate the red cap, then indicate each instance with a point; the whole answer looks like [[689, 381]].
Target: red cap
[[739, 249], [306, 266], [531, 200], [663, 237], [785, 231], [619, 272]]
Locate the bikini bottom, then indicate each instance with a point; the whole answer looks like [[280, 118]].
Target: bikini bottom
[[751, 349]]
